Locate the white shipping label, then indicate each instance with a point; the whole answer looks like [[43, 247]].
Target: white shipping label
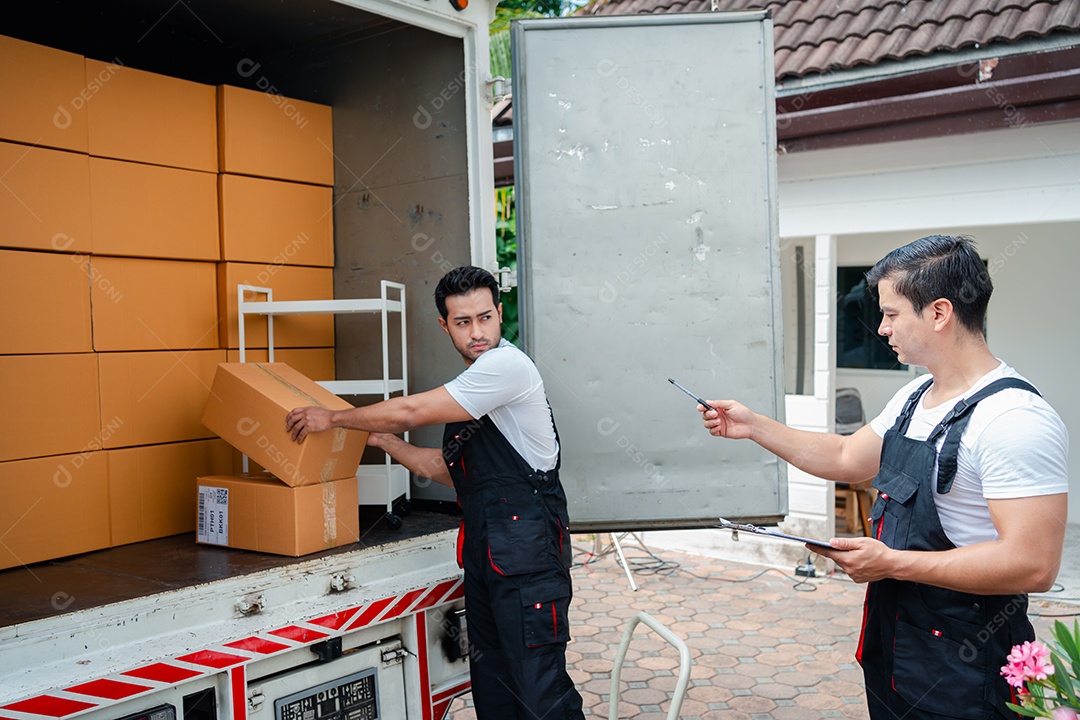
[[213, 515]]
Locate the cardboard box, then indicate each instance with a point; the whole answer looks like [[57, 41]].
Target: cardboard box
[[45, 96], [153, 304], [53, 507], [150, 118], [260, 513], [50, 405], [315, 363], [46, 301], [288, 283], [45, 203], [271, 221], [247, 408], [155, 397], [152, 489], [268, 135], [152, 211]]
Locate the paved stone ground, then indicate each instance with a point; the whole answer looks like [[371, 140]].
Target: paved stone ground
[[763, 645]]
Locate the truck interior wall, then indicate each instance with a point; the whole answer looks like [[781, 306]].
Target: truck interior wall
[[401, 201]]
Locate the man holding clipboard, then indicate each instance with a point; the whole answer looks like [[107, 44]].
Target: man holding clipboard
[[970, 467]]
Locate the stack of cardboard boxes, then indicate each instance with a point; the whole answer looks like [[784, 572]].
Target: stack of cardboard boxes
[[132, 205]]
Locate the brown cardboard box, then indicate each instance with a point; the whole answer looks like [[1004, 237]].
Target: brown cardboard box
[[271, 221], [50, 405], [152, 211], [247, 408], [315, 363], [153, 304], [46, 301], [45, 203], [288, 283], [152, 488], [150, 118], [252, 512], [155, 397], [45, 95], [272, 136], [53, 507]]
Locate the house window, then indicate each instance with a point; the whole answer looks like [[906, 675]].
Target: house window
[[858, 344]]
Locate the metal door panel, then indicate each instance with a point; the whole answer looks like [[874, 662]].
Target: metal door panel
[[645, 166]]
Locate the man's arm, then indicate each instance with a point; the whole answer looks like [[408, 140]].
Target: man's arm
[[425, 462], [1024, 559], [844, 458], [434, 407]]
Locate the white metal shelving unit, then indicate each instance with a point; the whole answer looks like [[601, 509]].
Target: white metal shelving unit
[[378, 484]]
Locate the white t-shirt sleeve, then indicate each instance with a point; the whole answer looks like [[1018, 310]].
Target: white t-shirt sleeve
[[1023, 453], [497, 378]]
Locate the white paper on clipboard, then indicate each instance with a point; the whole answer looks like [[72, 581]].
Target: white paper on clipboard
[[754, 529]]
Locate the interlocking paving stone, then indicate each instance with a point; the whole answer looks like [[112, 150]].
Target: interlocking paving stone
[[761, 650]]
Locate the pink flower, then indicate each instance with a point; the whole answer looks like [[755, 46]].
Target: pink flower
[[1030, 661], [1063, 713]]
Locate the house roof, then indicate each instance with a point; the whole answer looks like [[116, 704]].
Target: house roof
[[818, 36]]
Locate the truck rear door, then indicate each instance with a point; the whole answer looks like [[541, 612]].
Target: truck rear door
[[647, 232]]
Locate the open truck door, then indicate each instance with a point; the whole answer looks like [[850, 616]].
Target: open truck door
[[645, 166]]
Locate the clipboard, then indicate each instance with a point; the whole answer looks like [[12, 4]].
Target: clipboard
[[754, 529]]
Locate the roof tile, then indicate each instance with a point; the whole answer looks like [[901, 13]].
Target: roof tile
[[816, 36]]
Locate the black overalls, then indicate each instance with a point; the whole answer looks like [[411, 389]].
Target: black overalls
[[515, 548], [928, 652]]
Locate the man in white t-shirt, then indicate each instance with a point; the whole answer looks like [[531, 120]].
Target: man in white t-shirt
[[501, 454], [970, 465]]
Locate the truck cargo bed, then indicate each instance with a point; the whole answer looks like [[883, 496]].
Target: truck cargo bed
[[123, 573]]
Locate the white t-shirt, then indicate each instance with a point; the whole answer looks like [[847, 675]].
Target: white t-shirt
[[1015, 446], [504, 384]]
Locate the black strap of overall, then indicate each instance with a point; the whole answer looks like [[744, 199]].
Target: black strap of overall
[[954, 423]]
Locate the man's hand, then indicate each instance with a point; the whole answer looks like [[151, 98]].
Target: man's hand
[[380, 440], [863, 559], [730, 419], [304, 420]]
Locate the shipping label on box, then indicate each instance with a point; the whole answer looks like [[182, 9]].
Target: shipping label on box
[[247, 407], [213, 525]]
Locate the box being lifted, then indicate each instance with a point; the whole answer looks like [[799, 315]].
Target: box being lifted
[[247, 407]]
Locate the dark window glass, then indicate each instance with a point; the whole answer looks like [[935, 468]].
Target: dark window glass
[[858, 344]]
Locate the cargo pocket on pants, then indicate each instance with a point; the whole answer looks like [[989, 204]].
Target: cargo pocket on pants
[[544, 606], [933, 672], [516, 547]]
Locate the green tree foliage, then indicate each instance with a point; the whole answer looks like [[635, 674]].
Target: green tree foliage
[[506, 254]]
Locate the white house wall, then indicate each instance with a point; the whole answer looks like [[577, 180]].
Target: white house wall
[[1016, 191]]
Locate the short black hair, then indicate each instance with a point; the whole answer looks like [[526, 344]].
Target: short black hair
[[938, 266], [462, 280]]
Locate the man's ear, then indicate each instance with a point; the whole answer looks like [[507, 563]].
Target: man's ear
[[500, 313], [943, 312], [444, 326]]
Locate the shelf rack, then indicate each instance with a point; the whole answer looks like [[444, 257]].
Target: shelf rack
[[395, 478]]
